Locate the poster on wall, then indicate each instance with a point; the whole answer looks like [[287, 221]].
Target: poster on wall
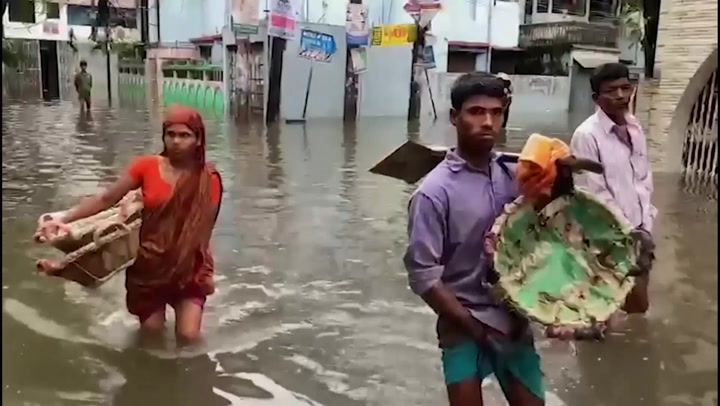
[[317, 46], [356, 25], [428, 57], [245, 16], [283, 19], [358, 57], [393, 35]]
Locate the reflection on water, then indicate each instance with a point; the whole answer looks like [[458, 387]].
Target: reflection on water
[[312, 305]]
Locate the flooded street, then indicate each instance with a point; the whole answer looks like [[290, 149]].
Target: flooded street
[[312, 305]]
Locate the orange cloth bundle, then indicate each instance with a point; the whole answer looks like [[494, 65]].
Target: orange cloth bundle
[[536, 170]]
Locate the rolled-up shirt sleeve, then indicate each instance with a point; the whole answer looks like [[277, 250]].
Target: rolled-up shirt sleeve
[[426, 230], [583, 146]]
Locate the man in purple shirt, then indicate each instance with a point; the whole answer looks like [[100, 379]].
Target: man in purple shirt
[[614, 137], [449, 216]]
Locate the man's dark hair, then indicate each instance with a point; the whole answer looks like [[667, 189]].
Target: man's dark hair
[[476, 84], [607, 73], [83, 63]]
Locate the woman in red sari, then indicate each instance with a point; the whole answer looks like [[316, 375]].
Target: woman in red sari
[[181, 198]]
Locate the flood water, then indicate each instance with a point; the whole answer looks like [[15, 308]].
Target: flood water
[[312, 305]]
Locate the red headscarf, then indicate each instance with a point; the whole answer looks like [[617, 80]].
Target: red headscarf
[[179, 114]]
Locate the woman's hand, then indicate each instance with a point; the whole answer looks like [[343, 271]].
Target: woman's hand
[[51, 226]]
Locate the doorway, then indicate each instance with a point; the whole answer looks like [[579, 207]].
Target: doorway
[[49, 70]]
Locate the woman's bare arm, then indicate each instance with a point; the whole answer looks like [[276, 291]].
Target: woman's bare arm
[[103, 200]]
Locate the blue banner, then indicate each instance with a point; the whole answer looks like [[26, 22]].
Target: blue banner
[[317, 46]]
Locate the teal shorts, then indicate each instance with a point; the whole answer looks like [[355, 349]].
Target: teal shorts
[[519, 360]]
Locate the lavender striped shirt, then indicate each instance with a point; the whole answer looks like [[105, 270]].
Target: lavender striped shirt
[[626, 185], [449, 216]]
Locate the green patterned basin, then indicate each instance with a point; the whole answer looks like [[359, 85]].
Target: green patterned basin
[[567, 264]]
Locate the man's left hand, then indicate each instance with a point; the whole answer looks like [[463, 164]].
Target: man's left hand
[[567, 333], [566, 167], [644, 251]]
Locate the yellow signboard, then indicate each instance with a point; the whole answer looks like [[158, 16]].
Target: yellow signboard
[[393, 34]]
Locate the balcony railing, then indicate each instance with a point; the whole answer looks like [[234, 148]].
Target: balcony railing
[[568, 33]]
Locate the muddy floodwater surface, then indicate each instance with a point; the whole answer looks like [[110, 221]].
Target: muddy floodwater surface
[[312, 305]]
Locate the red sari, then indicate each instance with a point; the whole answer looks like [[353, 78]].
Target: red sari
[[174, 262]]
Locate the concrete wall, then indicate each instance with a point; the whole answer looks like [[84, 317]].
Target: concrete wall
[[181, 20], [533, 94], [216, 54], [327, 89], [385, 86], [687, 39], [459, 22]]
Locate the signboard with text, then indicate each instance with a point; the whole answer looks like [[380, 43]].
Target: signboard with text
[[317, 46], [283, 19], [393, 35], [245, 16], [423, 11], [358, 57], [356, 25], [428, 57]]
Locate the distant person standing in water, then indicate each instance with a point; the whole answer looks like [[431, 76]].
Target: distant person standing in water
[[83, 85], [507, 83]]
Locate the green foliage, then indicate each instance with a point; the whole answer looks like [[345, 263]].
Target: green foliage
[[641, 18]]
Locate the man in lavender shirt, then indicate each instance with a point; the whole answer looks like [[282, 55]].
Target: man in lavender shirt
[[615, 138], [449, 215]]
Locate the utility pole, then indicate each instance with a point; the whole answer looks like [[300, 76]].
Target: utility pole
[[104, 15], [414, 103], [108, 74], [488, 59]]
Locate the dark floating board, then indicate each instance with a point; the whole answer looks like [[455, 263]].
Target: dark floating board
[[412, 161]]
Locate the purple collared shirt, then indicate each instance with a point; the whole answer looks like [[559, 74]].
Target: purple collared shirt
[[450, 213], [626, 184]]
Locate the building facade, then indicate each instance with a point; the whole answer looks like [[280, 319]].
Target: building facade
[[679, 104], [55, 36]]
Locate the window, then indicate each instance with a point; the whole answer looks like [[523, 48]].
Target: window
[[205, 52], [80, 15], [52, 11], [528, 11], [461, 62], [542, 6], [21, 11], [570, 7], [123, 17]]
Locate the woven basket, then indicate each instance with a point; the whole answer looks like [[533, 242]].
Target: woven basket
[[113, 248], [82, 231], [567, 265]]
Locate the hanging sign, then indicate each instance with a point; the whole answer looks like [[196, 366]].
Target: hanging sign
[[283, 19], [358, 57], [428, 58], [423, 11], [245, 16], [356, 25], [393, 35], [317, 46]]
